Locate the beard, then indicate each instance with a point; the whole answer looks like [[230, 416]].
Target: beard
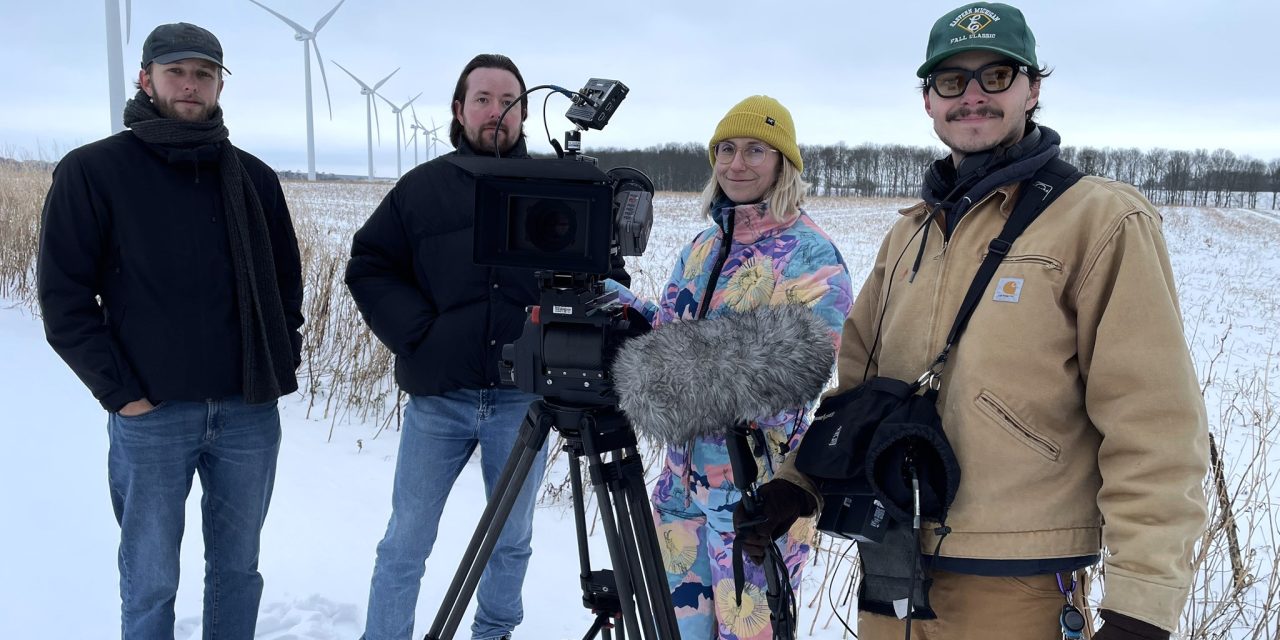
[[168, 109], [481, 140]]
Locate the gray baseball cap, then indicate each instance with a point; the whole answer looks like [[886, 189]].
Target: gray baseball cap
[[169, 43]]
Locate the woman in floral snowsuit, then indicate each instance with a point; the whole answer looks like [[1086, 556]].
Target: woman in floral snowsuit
[[762, 250]]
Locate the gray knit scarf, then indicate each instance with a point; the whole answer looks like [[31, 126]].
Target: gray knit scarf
[[954, 189], [266, 349]]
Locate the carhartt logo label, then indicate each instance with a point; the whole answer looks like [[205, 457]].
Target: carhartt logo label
[[1008, 290], [835, 437], [972, 22], [770, 121]]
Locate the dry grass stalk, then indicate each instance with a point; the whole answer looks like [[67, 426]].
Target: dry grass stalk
[[22, 192]]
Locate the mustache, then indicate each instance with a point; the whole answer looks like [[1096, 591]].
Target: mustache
[[985, 110]]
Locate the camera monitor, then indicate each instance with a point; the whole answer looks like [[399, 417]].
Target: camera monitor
[[541, 214]]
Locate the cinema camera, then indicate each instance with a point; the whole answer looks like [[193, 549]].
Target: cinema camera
[[573, 224]]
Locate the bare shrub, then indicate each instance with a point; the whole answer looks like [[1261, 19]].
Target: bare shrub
[[346, 372], [22, 191], [1236, 592]]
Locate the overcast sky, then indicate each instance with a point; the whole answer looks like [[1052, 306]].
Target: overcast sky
[[1127, 73]]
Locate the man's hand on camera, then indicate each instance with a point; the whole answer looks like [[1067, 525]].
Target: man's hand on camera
[[1117, 626], [136, 408], [779, 504]]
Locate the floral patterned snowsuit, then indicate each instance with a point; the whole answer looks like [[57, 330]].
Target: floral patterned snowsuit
[[765, 263]]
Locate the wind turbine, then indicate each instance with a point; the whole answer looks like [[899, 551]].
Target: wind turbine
[[429, 135], [435, 137], [115, 61], [417, 126], [399, 111], [371, 110], [308, 40]]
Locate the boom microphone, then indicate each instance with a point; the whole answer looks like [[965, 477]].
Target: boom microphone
[[698, 378]]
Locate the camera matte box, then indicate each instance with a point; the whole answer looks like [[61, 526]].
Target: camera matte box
[[554, 215]]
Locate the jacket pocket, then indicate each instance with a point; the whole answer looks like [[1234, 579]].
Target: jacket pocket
[[1033, 259], [142, 416], [1006, 418]]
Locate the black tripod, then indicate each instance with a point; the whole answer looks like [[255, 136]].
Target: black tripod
[[636, 589]]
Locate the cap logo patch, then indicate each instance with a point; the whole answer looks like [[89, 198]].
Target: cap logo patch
[[770, 121], [972, 21]]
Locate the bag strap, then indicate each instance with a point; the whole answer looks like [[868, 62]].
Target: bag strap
[[1048, 183]]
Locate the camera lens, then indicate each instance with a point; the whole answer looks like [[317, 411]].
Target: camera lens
[[552, 226]]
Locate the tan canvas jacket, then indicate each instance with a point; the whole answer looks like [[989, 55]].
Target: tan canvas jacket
[[1071, 399]]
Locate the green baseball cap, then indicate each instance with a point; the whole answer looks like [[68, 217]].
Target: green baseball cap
[[989, 26]]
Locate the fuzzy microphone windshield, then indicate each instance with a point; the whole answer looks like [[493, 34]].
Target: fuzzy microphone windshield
[[696, 378]]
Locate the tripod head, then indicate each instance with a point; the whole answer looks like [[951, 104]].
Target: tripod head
[[569, 341]]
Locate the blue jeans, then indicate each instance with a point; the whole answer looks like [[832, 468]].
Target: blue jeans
[[437, 439], [152, 457]]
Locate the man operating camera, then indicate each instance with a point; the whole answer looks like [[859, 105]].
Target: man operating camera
[[446, 319]]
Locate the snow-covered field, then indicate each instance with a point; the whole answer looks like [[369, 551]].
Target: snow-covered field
[[58, 578]]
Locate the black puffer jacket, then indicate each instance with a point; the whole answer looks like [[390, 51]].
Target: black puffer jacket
[[412, 276], [145, 234]]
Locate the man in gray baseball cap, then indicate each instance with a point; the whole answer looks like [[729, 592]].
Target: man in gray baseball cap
[[180, 41], [181, 72], [171, 225]]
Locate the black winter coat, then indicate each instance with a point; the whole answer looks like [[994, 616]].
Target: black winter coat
[[412, 276], [147, 237]]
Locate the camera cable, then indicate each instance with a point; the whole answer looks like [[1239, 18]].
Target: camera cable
[[572, 95]]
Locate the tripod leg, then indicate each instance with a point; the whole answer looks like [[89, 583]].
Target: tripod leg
[[621, 565], [646, 535], [600, 627], [579, 511], [533, 434], [638, 579], [635, 569], [645, 578]]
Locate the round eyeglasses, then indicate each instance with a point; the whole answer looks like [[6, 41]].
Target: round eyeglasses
[[996, 77], [753, 154]]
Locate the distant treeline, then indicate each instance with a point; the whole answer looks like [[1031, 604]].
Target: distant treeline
[[1193, 178], [1197, 178]]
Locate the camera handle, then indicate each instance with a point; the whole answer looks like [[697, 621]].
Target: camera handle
[[572, 149], [744, 443]]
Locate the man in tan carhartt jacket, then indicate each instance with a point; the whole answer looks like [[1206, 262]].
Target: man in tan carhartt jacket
[[1070, 399]]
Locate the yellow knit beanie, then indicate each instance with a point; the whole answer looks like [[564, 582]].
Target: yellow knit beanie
[[764, 119]]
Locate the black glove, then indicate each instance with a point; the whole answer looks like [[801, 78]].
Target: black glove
[[779, 504], [1117, 626]]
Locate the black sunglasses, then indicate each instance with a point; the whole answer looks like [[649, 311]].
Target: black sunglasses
[[993, 78]]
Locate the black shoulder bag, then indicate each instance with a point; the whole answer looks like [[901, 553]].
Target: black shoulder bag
[[879, 454]]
